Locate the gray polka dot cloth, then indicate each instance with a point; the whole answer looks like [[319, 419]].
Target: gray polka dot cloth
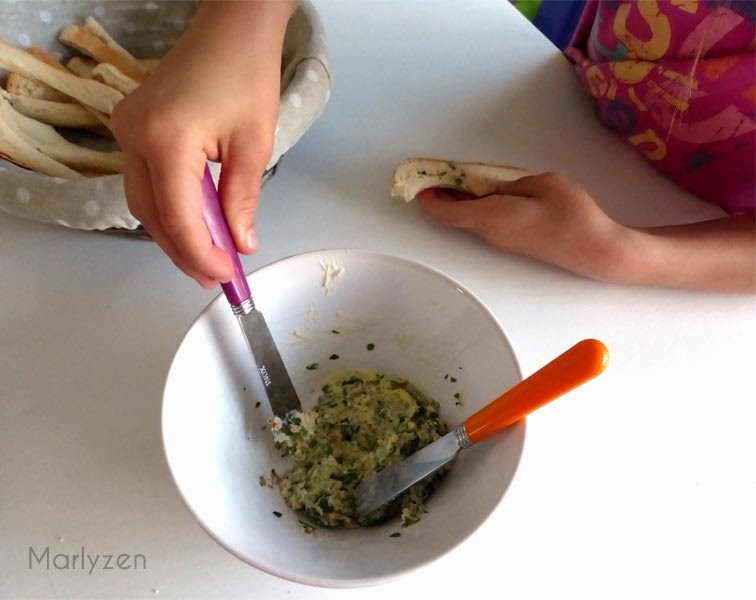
[[146, 29]]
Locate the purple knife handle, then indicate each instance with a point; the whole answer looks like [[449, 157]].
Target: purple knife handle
[[236, 290]]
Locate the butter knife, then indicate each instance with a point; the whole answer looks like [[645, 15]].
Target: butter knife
[[584, 361], [278, 386]]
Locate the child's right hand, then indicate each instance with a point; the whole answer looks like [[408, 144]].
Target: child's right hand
[[213, 97]]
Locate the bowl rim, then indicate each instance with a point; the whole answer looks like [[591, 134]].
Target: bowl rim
[[326, 582]]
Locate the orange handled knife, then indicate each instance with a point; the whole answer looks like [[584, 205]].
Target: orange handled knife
[[584, 361]]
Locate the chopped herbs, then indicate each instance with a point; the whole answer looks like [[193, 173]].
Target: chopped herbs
[[456, 395], [454, 380], [458, 181], [371, 346], [422, 173], [258, 404], [278, 514], [335, 331], [358, 426], [312, 367], [333, 357], [446, 376], [308, 529], [396, 534]]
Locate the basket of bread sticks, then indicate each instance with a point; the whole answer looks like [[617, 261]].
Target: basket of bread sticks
[[63, 68]]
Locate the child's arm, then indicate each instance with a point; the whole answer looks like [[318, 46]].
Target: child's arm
[[715, 255], [554, 220], [214, 97]]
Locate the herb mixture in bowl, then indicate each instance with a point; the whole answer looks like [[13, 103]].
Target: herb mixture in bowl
[[383, 314], [358, 427]]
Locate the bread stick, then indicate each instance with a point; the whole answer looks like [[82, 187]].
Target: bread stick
[[413, 175], [113, 77], [24, 86], [91, 39], [45, 57], [16, 149], [149, 64], [59, 114], [101, 117], [89, 92], [81, 66], [48, 141]]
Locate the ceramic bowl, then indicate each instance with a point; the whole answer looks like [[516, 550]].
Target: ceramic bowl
[[392, 315]]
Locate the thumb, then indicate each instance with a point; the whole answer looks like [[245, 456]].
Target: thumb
[[524, 186], [239, 188]]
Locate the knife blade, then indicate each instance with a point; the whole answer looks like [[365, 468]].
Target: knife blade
[[394, 480], [281, 393], [584, 361]]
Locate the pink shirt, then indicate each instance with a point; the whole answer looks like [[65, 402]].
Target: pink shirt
[[693, 116]]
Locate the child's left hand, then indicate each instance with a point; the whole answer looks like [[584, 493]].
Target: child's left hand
[[544, 216], [554, 220]]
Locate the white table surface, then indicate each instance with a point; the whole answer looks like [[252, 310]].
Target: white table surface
[[640, 485]]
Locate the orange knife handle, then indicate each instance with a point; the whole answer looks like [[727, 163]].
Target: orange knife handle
[[584, 361]]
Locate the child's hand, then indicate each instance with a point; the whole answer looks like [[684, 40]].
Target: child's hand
[[553, 219], [544, 216], [213, 97]]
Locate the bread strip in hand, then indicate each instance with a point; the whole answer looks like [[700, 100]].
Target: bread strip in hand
[[111, 76], [413, 175], [81, 66], [92, 40], [59, 114], [93, 93], [50, 142], [16, 149], [23, 86]]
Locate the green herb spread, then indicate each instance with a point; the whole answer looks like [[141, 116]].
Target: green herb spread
[[358, 427]]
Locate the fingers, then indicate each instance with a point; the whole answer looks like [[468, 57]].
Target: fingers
[[525, 186], [534, 186], [470, 214], [143, 203], [176, 186], [446, 194], [531, 186], [240, 180]]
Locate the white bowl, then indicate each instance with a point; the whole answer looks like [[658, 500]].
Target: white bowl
[[424, 326]]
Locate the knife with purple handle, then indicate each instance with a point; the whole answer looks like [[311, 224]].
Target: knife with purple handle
[[281, 393]]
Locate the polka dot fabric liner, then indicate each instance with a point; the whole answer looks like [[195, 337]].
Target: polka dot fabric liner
[[146, 29]]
